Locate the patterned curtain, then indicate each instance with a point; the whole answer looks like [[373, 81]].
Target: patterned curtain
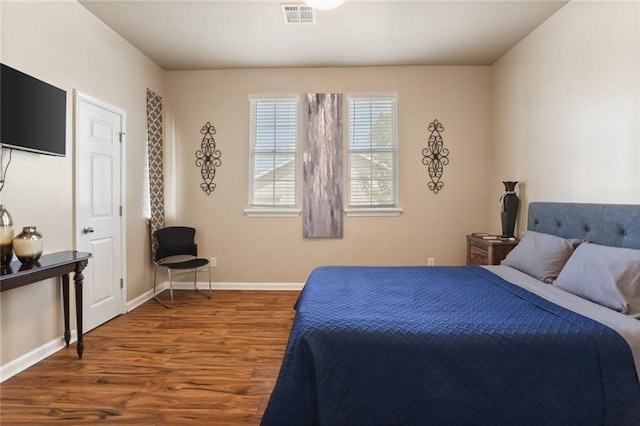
[[156, 164]]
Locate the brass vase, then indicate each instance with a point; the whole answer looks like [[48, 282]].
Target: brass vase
[[6, 236], [28, 245]]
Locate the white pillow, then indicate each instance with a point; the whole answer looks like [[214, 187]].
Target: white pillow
[[541, 255], [609, 276]]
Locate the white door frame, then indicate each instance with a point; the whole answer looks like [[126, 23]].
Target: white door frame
[[80, 96]]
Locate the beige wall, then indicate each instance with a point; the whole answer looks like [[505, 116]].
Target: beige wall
[[566, 107], [64, 45], [252, 249], [559, 112]]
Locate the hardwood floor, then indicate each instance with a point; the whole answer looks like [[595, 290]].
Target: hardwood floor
[[209, 362]]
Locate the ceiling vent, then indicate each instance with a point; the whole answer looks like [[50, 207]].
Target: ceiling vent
[[294, 14]]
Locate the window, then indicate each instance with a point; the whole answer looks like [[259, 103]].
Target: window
[[373, 152], [273, 153]]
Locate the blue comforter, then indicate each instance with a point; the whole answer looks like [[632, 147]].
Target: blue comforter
[[446, 346]]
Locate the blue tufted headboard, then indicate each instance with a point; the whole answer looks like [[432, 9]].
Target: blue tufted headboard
[[615, 225]]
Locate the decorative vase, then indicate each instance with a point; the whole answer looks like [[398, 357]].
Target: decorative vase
[[509, 203], [28, 245], [6, 236]]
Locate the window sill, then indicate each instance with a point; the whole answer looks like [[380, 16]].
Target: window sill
[[372, 211], [272, 212]]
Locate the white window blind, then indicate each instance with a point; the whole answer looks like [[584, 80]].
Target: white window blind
[[273, 152], [373, 152]]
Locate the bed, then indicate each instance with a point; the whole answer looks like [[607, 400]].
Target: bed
[[520, 343]]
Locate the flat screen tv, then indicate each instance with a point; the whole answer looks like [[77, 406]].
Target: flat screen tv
[[33, 114]]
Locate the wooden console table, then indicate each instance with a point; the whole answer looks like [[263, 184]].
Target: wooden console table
[[49, 266]]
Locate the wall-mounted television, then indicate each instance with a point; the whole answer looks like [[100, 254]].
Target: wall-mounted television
[[33, 114]]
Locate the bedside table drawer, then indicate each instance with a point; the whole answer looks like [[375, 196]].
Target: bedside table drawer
[[478, 256], [487, 251]]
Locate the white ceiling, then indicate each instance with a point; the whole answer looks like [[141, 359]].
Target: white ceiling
[[215, 34]]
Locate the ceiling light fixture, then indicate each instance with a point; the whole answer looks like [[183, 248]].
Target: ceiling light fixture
[[324, 4]]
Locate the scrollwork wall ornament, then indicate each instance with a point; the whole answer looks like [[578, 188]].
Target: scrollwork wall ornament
[[208, 158], [435, 156]]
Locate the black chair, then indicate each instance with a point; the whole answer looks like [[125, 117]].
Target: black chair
[[177, 250]]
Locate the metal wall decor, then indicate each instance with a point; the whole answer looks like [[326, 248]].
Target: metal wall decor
[[208, 158], [435, 156]]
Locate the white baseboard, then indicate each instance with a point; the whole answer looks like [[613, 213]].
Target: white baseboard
[[14, 367], [144, 297]]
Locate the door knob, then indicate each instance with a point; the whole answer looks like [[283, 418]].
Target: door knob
[[87, 230]]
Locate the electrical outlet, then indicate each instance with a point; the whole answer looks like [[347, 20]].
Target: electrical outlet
[[431, 261], [213, 262]]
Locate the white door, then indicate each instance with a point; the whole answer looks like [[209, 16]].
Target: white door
[[99, 222]]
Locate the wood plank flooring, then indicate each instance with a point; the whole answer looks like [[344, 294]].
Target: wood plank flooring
[[208, 362]]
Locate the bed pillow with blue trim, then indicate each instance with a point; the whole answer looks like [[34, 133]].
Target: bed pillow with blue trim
[[541, 255], [608, 276]]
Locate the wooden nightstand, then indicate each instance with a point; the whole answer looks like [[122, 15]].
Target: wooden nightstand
[[487, 252]]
